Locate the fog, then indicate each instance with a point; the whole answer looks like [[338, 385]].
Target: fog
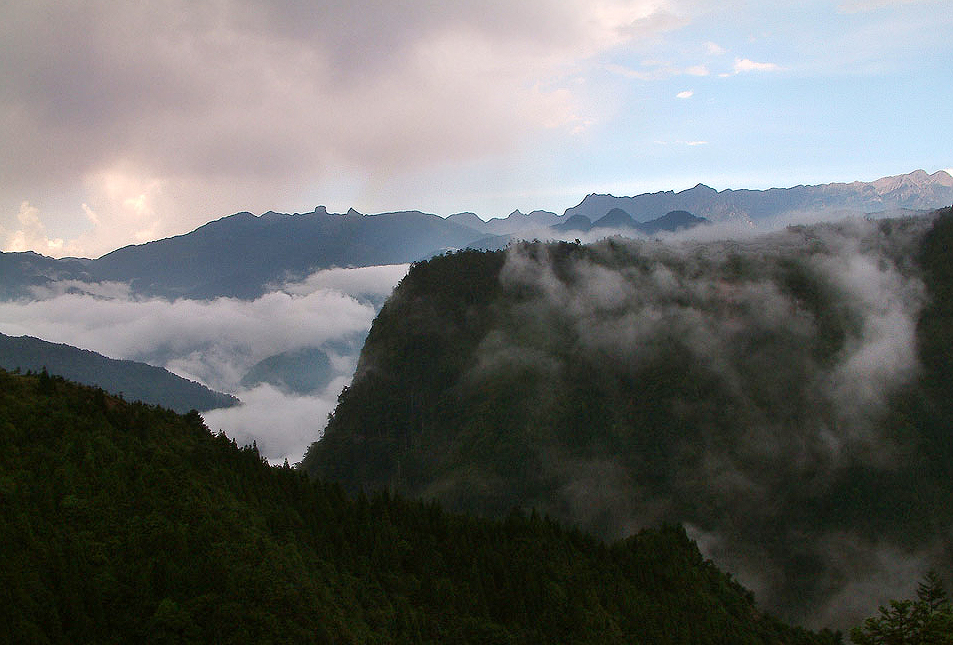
[[807, 378], [216, 342]]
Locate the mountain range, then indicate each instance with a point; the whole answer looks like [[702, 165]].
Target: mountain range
[[916, 191], [243, 255]]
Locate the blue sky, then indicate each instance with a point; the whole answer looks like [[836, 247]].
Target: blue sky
[[129, 123]]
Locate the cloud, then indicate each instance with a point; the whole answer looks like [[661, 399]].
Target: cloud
[[216, 342], [687, 94], [159, 117], [361, 281], [722, 314], [743, 65], [656, 70], [282, 425], [30, 233], [714, 49]]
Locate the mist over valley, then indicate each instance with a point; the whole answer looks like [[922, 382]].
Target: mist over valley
[[778, 388]]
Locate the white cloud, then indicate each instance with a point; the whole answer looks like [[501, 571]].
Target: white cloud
[[656, 70], [147, 114], [714, 49], [217, 342], [696, 143], [282, 425], [745, 65], [361, 281], [687, 94], [30, 233]]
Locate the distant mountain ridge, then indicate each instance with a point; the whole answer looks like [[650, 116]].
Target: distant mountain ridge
[[242, 255], [136, 381], [916, 190]]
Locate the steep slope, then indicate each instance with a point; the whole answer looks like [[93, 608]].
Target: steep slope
[[126, 523], [767, 393], [136, 381]]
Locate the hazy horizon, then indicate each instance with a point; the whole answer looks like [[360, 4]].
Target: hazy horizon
[[125, 124]]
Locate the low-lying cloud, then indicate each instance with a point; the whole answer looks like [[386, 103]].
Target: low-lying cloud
[[789, 346], [216, 342]]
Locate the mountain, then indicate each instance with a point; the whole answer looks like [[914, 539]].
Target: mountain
[[615, 219], [574, 224], [518, 222], [671, 222], [916, 190], [24, 274], [242, 254], [787, 398], [303, 371], [618, 221], [127, 523], [136, 381]]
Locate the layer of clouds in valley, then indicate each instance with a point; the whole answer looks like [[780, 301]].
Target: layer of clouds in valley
[[217, 342]]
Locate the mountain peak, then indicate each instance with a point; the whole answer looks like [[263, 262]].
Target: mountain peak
[[919, 178], [615, 218], [942, 177]]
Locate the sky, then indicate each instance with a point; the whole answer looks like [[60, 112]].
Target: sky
[[127, 122]]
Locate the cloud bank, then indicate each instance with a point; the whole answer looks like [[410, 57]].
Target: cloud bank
[[216, 342]]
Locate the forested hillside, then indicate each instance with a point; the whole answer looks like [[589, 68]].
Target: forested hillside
[[135, 381], [128, 523], [787, 398]]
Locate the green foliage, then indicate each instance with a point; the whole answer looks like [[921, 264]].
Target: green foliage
[[122, 522], [928, 620]]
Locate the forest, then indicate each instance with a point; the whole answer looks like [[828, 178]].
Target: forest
[[124, 522], [786, 398]]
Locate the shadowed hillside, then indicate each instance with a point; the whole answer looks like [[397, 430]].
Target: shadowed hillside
[[786, 398], [127, 523]]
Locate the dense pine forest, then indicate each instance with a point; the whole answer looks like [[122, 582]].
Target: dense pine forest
[[122, 522], [788, 398]]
